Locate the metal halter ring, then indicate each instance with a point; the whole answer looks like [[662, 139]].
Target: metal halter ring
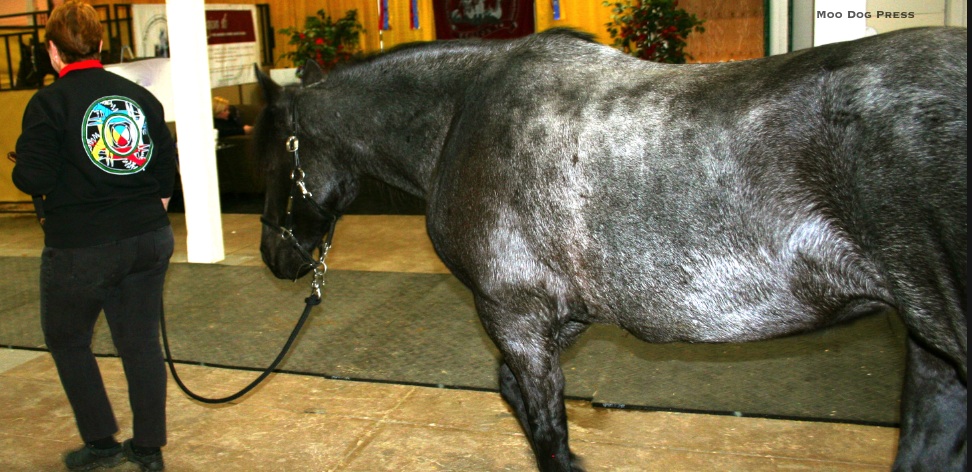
[[293, 144]]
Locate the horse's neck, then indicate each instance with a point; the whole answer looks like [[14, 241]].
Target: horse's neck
[[399, 116]]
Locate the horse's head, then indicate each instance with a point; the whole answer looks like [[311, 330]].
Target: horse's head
[[307, 187]]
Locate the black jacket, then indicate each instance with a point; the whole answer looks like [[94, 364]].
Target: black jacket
[[96, 146]]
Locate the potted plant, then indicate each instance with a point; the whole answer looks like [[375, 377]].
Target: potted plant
[[325, 41], [653, 30]]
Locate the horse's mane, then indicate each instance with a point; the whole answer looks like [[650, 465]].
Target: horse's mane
[[570, 33], [468, 44], [417, 47]]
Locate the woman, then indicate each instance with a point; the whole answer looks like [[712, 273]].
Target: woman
[[227, 120], [96, 147]]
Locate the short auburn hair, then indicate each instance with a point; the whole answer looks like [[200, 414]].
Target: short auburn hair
[[75, 28]]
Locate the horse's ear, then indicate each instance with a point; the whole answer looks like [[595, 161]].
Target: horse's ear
[[270, 88], [311, 73]]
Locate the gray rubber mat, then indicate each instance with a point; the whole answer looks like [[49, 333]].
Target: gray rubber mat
[[422, 329]]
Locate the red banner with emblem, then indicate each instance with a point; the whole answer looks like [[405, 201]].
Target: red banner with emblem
[[229, 26], [490, 19]]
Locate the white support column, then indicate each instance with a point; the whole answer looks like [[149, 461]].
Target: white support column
[[194, 129], [956, 13], [779, 27]]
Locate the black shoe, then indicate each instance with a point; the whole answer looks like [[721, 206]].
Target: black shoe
[[151, 461], [89, 457]]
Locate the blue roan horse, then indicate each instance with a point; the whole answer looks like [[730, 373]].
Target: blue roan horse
[[569, 184]]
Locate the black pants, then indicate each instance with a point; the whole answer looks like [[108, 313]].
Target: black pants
[[125, 279]]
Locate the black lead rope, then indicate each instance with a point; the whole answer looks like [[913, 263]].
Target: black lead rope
[[311, 301], [319, 267]]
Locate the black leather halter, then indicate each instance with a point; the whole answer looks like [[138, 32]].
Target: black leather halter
[[298, 186]]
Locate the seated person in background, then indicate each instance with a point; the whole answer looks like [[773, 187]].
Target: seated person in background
[[226, 119]]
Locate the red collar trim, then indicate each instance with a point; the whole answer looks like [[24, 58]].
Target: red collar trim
[[86, 64]]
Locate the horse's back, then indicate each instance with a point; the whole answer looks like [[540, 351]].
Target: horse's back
[[712, 202]]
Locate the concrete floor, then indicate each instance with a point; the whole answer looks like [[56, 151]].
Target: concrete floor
[[298, 423]]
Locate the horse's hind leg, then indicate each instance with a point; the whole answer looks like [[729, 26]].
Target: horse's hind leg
[[928, 281], [543, 422], [532, 382], [934, 414]]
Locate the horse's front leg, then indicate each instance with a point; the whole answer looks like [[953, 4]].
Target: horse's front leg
[[532, 382]]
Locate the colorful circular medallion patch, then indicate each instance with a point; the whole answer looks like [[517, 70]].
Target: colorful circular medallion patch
[[116, 135]]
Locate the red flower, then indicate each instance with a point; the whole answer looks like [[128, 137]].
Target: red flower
[[319, 41]]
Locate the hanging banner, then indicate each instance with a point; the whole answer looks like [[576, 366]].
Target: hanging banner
[[490, 19], [154, 75], [383, 24], [231, 34], [413, 14], [229, 27], [150, 31], [233, 48]]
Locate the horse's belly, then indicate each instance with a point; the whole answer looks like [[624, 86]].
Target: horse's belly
[[730, 311], [710, 294]]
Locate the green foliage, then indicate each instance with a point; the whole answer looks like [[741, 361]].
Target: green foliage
[[325, 41], [653, 30]]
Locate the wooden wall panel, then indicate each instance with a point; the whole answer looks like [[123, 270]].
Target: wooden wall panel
[[586, 15], [399, 32], [734, 28]]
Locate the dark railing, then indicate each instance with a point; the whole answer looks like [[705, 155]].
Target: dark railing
[[24, 42], [27, 63], [266, 29]]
